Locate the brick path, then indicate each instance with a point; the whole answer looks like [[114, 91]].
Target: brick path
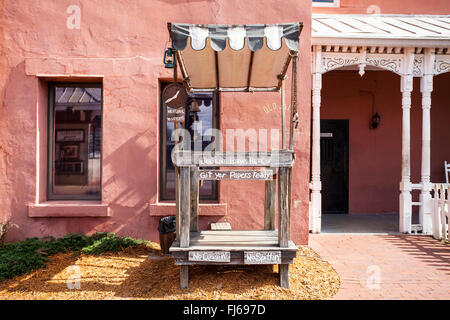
[[387, 266]]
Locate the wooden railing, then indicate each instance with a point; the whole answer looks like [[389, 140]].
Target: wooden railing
[[440, 207]]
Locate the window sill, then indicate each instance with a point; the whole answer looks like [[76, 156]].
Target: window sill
[[68, 209], [205, 209]]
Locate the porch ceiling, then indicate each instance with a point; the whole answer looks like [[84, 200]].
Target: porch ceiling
[[386, 30]]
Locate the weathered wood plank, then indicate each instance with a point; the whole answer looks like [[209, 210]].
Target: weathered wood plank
[[236, 174], [283, 207], [220, 226], [236, 258], [185, 213], [275, 159], [209, 256], [232, 247], [249, 233], [177, 201], [194, 198], [283, 270], [269, 205], [184, 276], [262, 257]]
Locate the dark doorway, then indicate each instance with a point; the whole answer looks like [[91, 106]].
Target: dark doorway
[[334, 148]]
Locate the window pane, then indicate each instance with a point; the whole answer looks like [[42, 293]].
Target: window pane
[[203, 118], [77, 141]]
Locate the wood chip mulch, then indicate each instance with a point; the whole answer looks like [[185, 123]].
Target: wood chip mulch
[[145, 273]]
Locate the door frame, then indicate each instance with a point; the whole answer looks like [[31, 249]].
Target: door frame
[[346, 168]]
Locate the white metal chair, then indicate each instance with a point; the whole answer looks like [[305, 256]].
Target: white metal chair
[[447, 170]]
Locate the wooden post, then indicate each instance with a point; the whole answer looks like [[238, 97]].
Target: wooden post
[[194, 198], [184, 276], [283, 116], [177, 188], [293, 101], [283, 208], [177, 202], [269, 205], [185, 211], [283, 270]]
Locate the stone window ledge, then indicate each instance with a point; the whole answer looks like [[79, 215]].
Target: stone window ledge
[[205, 209], [68, 209]]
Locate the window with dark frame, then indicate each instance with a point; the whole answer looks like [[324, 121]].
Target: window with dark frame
[[75, 141], [206, 118]]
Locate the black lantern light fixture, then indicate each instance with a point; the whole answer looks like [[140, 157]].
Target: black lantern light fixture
[[375, 121]]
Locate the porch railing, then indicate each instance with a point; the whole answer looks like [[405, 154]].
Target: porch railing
[[440, 210]]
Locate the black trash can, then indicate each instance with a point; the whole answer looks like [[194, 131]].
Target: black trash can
[[167, 232]]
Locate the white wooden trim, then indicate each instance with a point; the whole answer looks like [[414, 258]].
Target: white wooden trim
[[441, 211], [316, 186], [334, 4], [441, 63], [426, 87]]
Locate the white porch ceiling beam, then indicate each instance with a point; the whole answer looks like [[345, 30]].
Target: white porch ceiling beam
[[372, 41]]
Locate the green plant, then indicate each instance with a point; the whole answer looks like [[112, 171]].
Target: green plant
[[109, 242], [21, 257]]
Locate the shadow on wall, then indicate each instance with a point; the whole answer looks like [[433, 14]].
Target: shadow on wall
[[132, 182]]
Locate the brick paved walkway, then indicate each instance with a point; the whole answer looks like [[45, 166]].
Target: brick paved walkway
[[387, 266]]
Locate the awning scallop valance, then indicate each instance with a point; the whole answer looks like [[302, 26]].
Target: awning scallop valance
[[249, 57]]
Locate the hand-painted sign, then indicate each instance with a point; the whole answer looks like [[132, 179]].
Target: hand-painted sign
[[235, 161], [262, 257], [175, 97], [175, 115], [235, 174], [209, 256]]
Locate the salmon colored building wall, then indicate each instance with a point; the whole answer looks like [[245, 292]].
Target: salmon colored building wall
[[121, 44], [375, 155], [387, 7]]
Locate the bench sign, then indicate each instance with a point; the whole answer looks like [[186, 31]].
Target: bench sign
[[262, 257], [209, 256]]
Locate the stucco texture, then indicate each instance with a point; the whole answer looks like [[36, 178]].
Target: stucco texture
[[122, 43]]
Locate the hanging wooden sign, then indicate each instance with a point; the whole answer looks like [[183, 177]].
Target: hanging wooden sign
[[235, 175], [174, 96], [209, 256], [175, 115], [262, 257]]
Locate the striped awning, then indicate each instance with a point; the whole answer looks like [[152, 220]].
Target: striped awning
[[236, 57]]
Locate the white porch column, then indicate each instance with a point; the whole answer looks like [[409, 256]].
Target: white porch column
[[316, 185], [426, 87], [405, 207], [406, 86]]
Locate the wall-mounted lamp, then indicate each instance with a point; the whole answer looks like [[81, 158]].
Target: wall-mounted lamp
[[169, 58], [375, 121]]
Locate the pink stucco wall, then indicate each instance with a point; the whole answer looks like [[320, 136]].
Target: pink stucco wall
[[375, 155], [387, 7], [121, 44]]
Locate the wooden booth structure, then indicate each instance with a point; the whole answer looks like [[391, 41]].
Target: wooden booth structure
[[238, 58]]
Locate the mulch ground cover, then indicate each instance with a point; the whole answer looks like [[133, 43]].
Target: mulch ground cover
[[143, 272]]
